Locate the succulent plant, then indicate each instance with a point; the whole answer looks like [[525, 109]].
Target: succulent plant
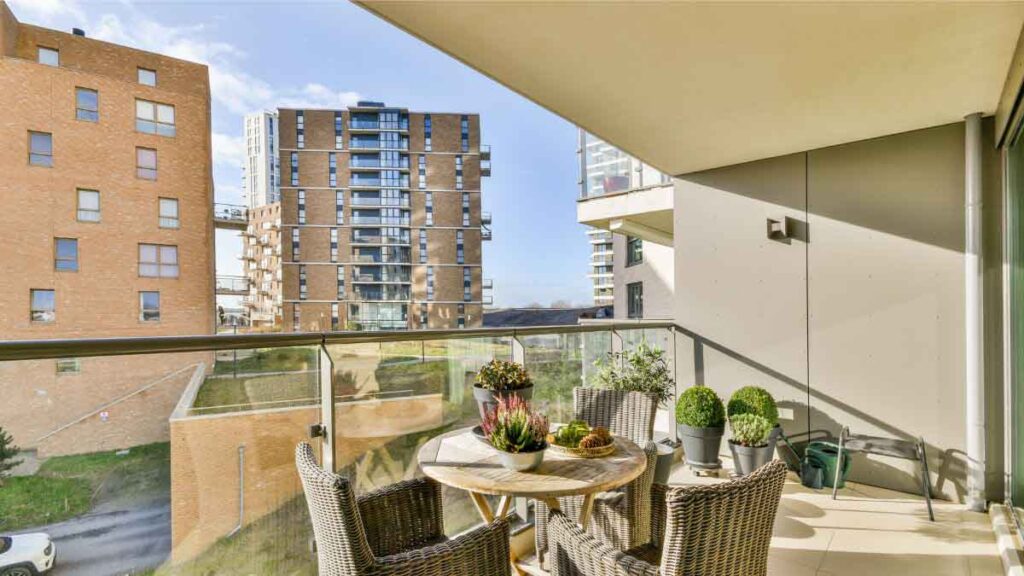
[[700, 407], [502, 375], [753, 400], [513, 427], [571, 434], [750, 429]]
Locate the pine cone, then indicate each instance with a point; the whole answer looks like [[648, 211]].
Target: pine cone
[[592, 441], [602, 433]]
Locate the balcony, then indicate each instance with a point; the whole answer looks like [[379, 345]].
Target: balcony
[[485, 226], [241, 403], [232, 285], [379, 202], [488, 284], [230, 216]]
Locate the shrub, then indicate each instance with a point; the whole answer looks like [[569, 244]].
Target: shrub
[[641, 370], [700, 407], [754, 400], [750, 429], [513, 427], [502, 375], [7, 453]]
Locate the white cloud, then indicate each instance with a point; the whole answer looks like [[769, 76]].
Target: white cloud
[[228, 150]]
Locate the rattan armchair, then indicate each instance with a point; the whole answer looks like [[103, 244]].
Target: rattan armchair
[[622, 518], [394, 531], [709, 530]]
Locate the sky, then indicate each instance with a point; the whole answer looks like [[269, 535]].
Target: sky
[[329, 54]]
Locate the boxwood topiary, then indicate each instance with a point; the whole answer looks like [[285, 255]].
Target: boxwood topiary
[[754, 400], [700, 407]]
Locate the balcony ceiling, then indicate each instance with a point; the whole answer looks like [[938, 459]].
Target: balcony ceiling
[[691, 86]]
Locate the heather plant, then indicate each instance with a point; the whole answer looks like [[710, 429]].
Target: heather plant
[[750, 429], [513, 427], [700, 407], [503, 376]]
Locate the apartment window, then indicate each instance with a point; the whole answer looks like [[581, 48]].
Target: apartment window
[[422, 172], [339, 141], [48, 56], [145, 163], [169, 213], [393, 178], [68, 366], [88, 205], [300, 129], [87, 104], [423, 246], [334, 244], [462, 322], [303, 294], [339, 206], [42, 306], [467, 284], [295, 244], [427, 132], [460, 253], [465, 209], [335, 319], [65, 254], [154, 118], [634, 250], [635, 300], [157, 261], [430, 208], [302, 206], [295, 168], [458, 172], [423, 315], [341, 282], [40, 149], [430, 282], [465, 133], [332, 169], [149, 306], [296, 324], [147, 77]]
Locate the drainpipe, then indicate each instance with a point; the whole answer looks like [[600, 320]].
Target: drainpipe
[[975, 378]]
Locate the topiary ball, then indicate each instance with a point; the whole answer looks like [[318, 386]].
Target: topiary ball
[[754, 400], [700, 407]]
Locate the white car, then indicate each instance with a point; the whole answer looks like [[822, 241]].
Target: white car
[[26, 554]]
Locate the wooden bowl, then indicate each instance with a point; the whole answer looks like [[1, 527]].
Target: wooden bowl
[[600, 452]]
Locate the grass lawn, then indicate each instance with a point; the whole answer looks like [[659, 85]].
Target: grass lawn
[[67, 486], [274, 360]]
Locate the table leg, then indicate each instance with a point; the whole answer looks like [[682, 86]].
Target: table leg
[[585, 510], [484, 508]]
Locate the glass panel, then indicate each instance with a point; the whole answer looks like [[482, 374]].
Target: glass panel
[[147, 77], [145, 110], [165, 113], [555, 364], [88, 200], [1015, 255], [42, 143]]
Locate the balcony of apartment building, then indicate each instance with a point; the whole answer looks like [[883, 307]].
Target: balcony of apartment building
[[381, 274], [378, 141], [382, 255], [227, 285], [485, 160], [373, 162], [377, 237], [485, 226], [379, 199], [379, 179], [230, 216], [382, 217]]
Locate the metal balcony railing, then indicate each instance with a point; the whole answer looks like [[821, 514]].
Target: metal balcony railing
[[230, 216], [232, 285], [488, 283]]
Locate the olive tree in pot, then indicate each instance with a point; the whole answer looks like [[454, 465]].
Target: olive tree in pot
[[700, 416], [517, 433], [749, 442], [755, 400], [500, 379], [644, 371]]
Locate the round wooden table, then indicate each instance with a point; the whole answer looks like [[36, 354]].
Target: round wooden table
[[461, 460]]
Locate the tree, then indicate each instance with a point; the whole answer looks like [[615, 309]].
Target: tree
[[561, 304], [7, 453]]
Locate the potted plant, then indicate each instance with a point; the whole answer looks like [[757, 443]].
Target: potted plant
[[755, 400], [749, 442], [642, 370], [500, 378], [517, 433], [700, 415]]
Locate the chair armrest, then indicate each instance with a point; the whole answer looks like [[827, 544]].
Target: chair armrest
[[658, 513], [483, 551], [573, 551], [402, 516]]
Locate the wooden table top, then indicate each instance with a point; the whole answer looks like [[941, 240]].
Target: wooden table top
[[461, 460]]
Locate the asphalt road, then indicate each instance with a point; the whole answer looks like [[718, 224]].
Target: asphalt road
[[112, 540]]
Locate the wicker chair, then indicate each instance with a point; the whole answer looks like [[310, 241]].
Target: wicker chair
[[709, 530], [397, 530], [622, 517]]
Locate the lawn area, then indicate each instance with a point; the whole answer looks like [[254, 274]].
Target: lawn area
[[67, 486], [273, 360]]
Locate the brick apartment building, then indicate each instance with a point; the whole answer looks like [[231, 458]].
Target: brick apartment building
[[107, 195], [379, 223]]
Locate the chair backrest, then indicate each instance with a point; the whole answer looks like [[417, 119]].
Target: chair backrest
[[722, 529], [628, 414], [341, 545]]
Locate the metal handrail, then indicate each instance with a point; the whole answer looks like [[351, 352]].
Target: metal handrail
[[87, 347]]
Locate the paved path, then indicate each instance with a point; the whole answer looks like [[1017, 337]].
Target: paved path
[[112, 540]]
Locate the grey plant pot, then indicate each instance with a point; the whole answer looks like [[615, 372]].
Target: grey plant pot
[[750, 458], [701, 445], [666, 455], [522, 461], [773, 439], [486, 400]]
